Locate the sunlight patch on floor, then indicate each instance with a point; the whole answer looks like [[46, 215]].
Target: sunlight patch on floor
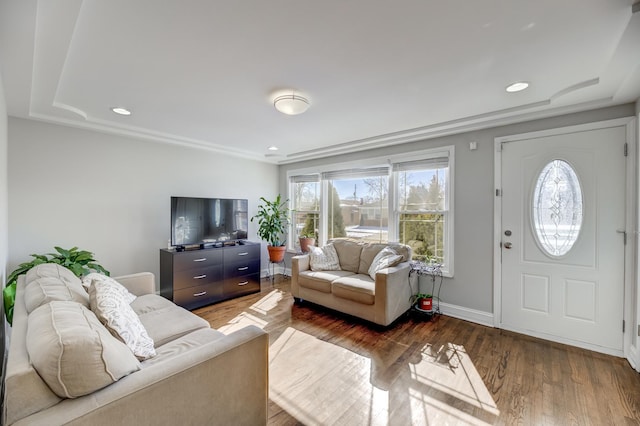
[[244, 319], [448, 372], [267, 303], [241, 321], [319, 383]]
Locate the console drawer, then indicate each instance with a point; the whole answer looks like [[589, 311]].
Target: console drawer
[[243, 252], [194, 297], [197, 276], [197, 259], [236, 269], [242, 285]]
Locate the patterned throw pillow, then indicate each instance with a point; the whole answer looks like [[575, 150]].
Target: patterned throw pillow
[[386, 258], [101, 278], [111, 307], [324, 258]]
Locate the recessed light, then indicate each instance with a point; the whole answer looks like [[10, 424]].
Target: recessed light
[[121, 111], [273, 148], [517, 86]]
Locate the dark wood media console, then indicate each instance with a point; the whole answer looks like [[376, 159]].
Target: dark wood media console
[[195, 278]]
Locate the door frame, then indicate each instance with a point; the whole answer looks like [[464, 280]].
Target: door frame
[[631, 284]]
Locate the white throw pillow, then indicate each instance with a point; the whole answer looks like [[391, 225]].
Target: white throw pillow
[[386, 258], [101, 278], [112, 309], [72, 352], [324, 258]]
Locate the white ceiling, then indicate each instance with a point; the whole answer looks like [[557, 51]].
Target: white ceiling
[[204, 73]]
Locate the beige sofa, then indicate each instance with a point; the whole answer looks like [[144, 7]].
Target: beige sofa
[[198, 376], [351, 290]]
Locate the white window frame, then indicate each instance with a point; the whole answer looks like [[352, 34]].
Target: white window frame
[[388, 161]]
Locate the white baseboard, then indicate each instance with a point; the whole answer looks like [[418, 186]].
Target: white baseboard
[[467, 314], [266, 273], [634, 358]]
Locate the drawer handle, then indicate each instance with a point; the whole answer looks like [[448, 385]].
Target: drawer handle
[[244, 268], [202, 259], [199, 277], [244, 253], [243, 283], [199, 294]]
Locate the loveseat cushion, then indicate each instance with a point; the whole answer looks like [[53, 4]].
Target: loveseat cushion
[[51, 282], [370, 251], [112, 309], [349, 253], [359, 288], [164, 320], [324, 258], [320, 280], [386, 258], [73, 352]]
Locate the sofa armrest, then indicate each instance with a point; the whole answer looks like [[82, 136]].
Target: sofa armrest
[[298, 264], [138, 284], [393, 291], [224, 381]]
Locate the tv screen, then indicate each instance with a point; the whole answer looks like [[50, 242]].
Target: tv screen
[[207, 220]]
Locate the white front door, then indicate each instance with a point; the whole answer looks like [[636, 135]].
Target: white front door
[[563, 249]]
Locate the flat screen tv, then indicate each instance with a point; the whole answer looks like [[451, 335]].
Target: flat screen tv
[[207, 220]]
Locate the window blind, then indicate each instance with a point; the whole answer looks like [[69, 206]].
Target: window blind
[[356, 173], [304, 178], [426, 164]]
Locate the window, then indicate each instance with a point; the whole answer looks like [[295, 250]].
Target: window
[[358, 204], [406, 198], [423, 207], [304, 193], [557, 208]]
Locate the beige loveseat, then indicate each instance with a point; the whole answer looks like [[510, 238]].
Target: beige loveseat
[[351, 289], [198, 376]]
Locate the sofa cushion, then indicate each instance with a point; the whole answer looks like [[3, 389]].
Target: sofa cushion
[[110, 306], [359, 288], [324, 258], [384, 259], [369, 252], [48, 282], [72, 352], [164, 320], [349, 253], [183, 345], [101, 278], [320, 280]]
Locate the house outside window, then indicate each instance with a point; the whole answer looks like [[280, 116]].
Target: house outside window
[[304, 196], [353, 198], [423, 207]]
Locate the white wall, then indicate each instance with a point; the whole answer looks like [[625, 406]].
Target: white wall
[[111, 194], [4, 226], [470, 291]]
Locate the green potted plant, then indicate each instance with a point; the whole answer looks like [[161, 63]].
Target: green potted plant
[[306, 242], [80, 262], [423, 301], [273, 219]]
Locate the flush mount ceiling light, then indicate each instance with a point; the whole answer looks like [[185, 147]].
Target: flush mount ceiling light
[[121, 111], [517, 86], [273, 148], [291, 104]]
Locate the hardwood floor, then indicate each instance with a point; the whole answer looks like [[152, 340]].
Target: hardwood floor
[[328, 368]]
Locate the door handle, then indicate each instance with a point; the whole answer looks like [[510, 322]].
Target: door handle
[[508, 245]]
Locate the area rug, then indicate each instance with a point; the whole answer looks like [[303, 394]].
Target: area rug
[[319, 383]]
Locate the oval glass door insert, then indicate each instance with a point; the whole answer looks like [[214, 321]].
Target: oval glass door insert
[[557, 208]]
